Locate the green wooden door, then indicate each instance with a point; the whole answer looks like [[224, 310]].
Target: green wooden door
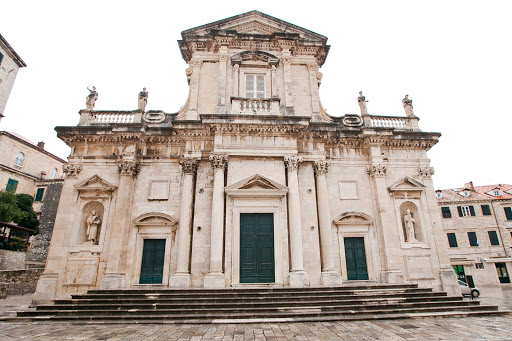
[[356, 259], [257, 248], [152, 268]]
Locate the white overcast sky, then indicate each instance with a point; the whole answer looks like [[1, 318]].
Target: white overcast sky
[[453, 58]]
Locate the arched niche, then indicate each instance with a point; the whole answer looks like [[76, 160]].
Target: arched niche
[[93, 208], [409, 215]]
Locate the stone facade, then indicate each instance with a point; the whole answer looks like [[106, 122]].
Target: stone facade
[[251, 142], [10, 63], [478, 220]]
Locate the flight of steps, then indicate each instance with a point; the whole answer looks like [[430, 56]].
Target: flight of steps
[[361, 302]]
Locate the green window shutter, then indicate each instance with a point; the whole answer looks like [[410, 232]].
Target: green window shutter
[[452, 239], [459, 209], [493, 238], [472, 211], [39, 194], [446, 212], [486, 210], [1, 57], [473, 241], [508, 212], [11, 185]]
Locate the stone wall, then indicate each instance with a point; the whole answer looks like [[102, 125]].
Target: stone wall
[[12, 260], [20, 281]]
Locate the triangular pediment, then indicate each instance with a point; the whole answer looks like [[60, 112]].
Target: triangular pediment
[[254, 22], [95, 182], [407, 184], [256, 182]]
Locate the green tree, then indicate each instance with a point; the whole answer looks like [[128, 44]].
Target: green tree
[[29, 219], [9, 210]]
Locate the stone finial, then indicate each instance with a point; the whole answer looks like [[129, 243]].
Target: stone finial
[[426, 172], [90, 100], [128, 168], [407, 103], [143, 99], [292, 162], [71, 170], [189, 165], [219, 160], [376, 171], [321, 167], [362, 103]]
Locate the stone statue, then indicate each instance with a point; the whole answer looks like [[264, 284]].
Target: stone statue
[[362, 103], [409, 226], [92, 227], [90, 100], [407, 103], [143, 99]]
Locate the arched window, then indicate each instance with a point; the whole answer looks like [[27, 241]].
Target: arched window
[[19, 159], [54, 173]]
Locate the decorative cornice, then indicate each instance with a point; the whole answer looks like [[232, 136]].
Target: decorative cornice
[[219, 161], [189, 165], [321, 167], [292, 162], [376, 171], [71, 169], [128, 168], [426, 172]]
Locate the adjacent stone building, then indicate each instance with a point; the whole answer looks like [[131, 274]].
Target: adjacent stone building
[[10, 63], [250, 183], [478, 224]]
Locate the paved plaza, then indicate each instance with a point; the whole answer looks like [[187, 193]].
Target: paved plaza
[[472, 328]]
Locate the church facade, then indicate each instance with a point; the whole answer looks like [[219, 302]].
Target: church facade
[[251, 183]]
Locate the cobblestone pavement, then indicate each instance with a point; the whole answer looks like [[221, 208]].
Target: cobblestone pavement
[[470, 328]]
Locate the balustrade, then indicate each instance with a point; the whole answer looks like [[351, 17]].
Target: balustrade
[[258, 106]]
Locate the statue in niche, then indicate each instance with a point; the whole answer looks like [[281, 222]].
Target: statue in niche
[[407, 103], [362, 103], [90, 100], [92, 227], [409, 222], [143, 99]]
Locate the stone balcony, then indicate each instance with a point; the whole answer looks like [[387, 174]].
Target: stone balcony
[[256, 106]]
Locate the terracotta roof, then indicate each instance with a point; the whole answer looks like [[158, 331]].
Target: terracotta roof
[[452, 195], [503, 187]]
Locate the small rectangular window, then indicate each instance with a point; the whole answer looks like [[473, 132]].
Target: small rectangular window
[[446, 212], [493, 237], [508, 212], [255, 86], [1, 58], [479, 265], [473, 241], [486, 210], [452, 240], [466, 211], [11, 185], [39, 194]]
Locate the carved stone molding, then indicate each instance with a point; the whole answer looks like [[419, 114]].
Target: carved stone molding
[[352, 121], [153, 117], [321, 167], [189, 166], [128, 168], [312, 66], [426, 172], [71, 170], [376, 171], [219, 160], [196, 62], [292, 162]]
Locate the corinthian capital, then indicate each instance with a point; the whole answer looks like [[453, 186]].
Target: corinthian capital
[[71, 170], [321, 167], [128, 168], [292, 162], [189, 166], [219, 160], [376, 171], [426, 172]]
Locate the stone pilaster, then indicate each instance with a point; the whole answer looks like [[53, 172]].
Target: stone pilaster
[[195, 66], [236, 76], [329, 275], [114, 273], [288, 92], [181, 279], [215, 276], [315, 98], [221, 96], [298, 277]]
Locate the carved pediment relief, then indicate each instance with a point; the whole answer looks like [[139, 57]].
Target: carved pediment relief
[[155, 219], [255, 58], [95, 186], [353, 218], [256, 183], [406, 187]]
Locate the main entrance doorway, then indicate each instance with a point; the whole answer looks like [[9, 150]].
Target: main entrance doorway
[[355, 257], [152, 268], [257, 248]]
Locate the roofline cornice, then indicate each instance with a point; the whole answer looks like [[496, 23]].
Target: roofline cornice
[[10, 51]]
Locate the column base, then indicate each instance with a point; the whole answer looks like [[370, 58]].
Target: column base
[[330, 278], [46, 289], [112, 281], [449, 282], [180, 280], [299, 279], [214, 280]]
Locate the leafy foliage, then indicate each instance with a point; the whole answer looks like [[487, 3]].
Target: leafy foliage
[[18, 208]]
